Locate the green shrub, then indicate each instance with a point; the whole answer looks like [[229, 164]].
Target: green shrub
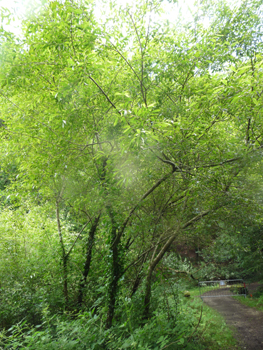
[[171, 326], [258, 293], [238, 289]]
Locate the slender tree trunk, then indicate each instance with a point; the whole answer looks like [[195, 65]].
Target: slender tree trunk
[[114, 253], [117, 268], [115, 272], [64, 259], [88, 259], [148, 292], [139, 276], [113, 287], [153, 264], [157, 259], [65, 281]]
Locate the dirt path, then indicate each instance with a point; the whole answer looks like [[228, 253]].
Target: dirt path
[[246, 322]]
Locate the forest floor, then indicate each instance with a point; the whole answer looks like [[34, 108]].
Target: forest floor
[[246, 322]]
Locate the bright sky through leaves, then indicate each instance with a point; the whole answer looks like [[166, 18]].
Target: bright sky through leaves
[[20, 7]]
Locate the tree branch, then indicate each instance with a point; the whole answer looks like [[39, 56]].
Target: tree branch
[[196, 218], [60, 232], [104, 93], [157, 184], [73, 244]]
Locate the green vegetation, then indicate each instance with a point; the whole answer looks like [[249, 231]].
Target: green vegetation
[[251, 302], [212, 330], [253, 299], [196, 327], [238, 289], [128, 143]]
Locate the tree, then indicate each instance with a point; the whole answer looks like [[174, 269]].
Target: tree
[[123, 123]]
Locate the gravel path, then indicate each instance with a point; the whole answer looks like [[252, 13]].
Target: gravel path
[[247, 322]]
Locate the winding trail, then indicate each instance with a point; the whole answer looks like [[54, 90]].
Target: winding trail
[[246, 322]]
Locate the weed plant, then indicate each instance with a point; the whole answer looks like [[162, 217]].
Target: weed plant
[[253, 300], [176, 323]]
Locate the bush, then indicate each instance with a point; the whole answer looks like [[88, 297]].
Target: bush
[[171, 326], [238, 289], [258, 293]]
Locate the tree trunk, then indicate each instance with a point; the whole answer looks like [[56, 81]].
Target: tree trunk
[[64, 259], [155, 261], [113, 287], [153, 264], [136, 284], [115, 272], [139, 276], [65, 281], [88, 260]]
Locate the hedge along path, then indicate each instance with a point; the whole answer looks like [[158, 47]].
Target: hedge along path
[[246, 322]]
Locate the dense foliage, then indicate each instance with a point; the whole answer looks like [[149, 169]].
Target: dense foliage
[[124, 137]]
